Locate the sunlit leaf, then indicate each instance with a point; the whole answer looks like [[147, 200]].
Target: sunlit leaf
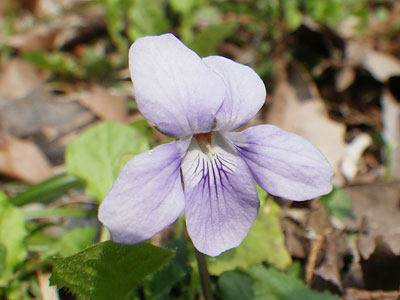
[[206, 42], [147, 17], [265, 242], [95, 155], [56, 61], [12, 235], [108, 271], [47, 190], [73, 241]]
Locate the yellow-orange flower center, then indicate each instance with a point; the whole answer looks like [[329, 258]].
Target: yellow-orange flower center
[[203, 137]]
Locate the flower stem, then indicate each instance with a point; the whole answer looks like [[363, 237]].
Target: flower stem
[[204, 275]]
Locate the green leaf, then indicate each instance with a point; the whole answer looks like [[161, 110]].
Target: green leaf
[[270, 284], [58, 212], [47, 190], [338, 203], [186, 6], [116, 19], [12, 235], [95, 155], [234, 285], [207, 41], [56, 61], [108, 271], [293, 15], [73, 241], [147, 17], [162, 281], [265, 242]]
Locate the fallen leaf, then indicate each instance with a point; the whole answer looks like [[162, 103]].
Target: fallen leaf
[[382, 268], [18, 78], [345, 78], [60, 30], [377, 214], [22, 160], [328, 270], [381, 65], [356, 294], [27, 115], [353, 153], [106, 106], [47, 292]]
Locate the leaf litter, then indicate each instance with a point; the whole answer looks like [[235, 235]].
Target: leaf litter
[[346, 103]]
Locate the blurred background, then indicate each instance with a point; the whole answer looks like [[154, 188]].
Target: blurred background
[[68, 122]]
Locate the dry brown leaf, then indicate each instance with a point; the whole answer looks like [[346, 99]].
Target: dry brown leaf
[[26, 116], [351, 160], [328, 270], [105, 105], [58, 31], [377, 213], [297, 107], [345, 78], [22, 160], [46, 291], [18, 78], [355, 294], [381, 65]]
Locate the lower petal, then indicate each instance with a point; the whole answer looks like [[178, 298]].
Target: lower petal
[[283, 164], [147, 195], [221, 197]]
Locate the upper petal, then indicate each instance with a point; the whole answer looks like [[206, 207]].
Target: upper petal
[[147, 195], [244, 96], [221, 197], [173, 87], [283, 164]]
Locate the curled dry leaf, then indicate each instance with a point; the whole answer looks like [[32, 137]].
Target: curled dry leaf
[[352, 156], [377, 213], [22, 160], [382, 66]]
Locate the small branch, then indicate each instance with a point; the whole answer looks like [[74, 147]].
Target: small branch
[[204, 276]]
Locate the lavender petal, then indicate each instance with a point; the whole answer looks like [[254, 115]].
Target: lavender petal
[[221, 197], [283, 164], [245, 93], [147, 195], [173, 87]]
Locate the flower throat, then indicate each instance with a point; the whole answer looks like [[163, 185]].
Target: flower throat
[[204, 141]]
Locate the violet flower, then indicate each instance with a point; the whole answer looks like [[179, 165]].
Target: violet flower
[[199, 100]]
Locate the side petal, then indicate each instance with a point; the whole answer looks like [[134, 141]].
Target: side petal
[[244, 96], [283, 164], [173, 87], [147, 195], [221, 197]]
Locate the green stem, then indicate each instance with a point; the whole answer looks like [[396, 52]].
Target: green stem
[[204, 275]]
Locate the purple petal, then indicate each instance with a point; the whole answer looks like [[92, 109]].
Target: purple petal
[[221, 197], [283, 164], [174, 88], [245, 92], [147, 195]]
